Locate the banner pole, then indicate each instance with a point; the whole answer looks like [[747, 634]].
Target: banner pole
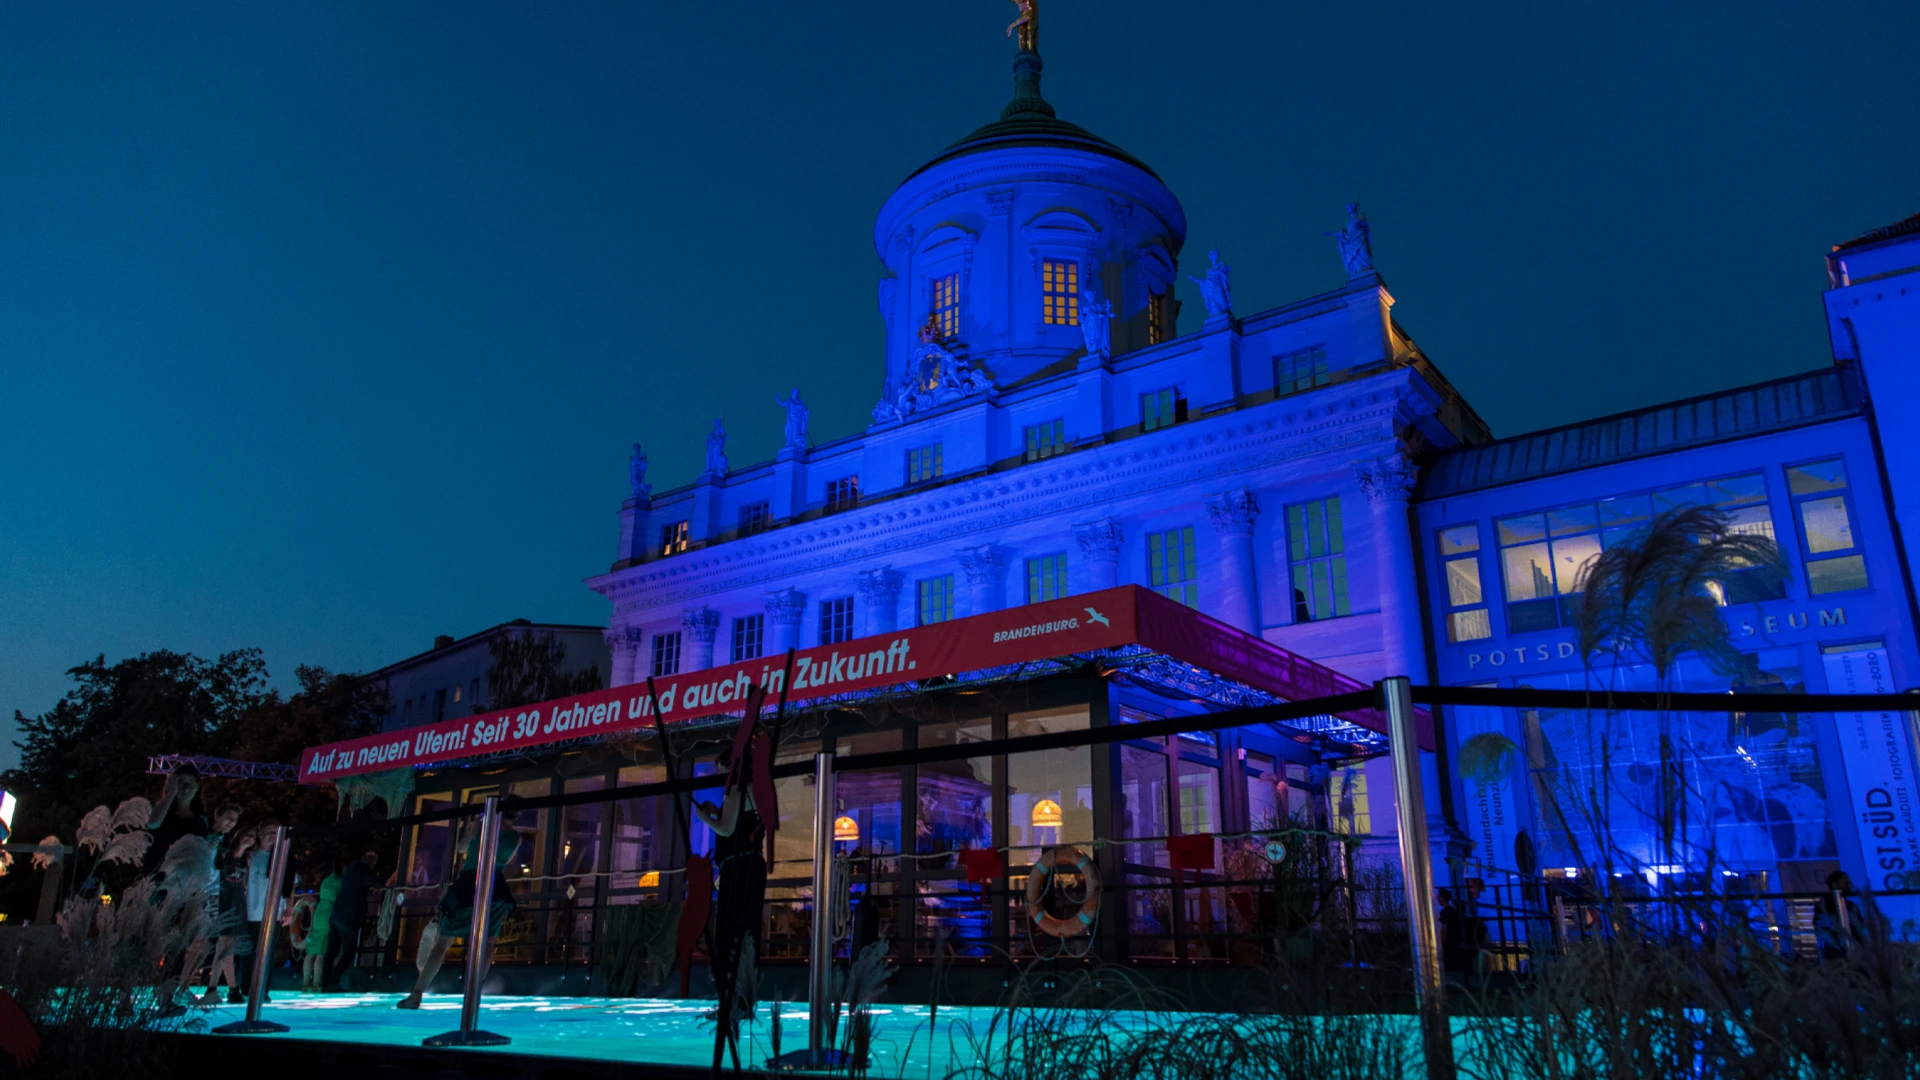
[[1416, 863], [263, 945], [477, 943], [820, 964]]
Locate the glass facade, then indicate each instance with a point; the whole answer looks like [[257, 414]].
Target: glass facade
[[1460, 570], [1819, 492]]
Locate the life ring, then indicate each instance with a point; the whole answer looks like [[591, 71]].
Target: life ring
[[1042, 872], [297, 932]]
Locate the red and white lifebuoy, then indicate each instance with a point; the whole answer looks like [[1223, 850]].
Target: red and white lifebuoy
[[1051, 860], [300, 922]]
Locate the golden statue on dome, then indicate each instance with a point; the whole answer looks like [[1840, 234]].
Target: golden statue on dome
[[1028, 24]]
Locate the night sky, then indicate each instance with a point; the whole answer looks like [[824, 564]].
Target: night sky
[[325, 328]]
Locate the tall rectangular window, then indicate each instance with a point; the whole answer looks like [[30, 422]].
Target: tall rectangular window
[[754, 517], [1162, 408], [1317, 550], [1045, 439], [473, 695], [673, 538], [1352, 810], [1302, 370], [1172, 570], [1156, 318], [1827, 540], [836, 620], [944, 304], [666, 654], [748, 633], [926, 463], [936, 599], [1060, 292], [1046, 578], [843, 494], [1466, 601]]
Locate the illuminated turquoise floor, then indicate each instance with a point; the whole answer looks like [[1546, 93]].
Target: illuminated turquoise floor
[[663, 1032]]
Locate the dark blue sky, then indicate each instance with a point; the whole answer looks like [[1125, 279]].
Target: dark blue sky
[[325, 327]]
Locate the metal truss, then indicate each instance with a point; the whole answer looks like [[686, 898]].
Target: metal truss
[[224, 768]]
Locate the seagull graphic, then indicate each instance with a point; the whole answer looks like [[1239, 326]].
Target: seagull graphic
[[1095, 616]]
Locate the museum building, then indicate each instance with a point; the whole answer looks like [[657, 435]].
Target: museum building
[[1304, 474]]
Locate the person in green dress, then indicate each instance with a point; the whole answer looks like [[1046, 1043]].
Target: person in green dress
[[313, 968]]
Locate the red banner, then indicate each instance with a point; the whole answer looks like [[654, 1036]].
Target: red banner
[[1094, 621]]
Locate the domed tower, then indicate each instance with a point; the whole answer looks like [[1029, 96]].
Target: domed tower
[[994, 245]]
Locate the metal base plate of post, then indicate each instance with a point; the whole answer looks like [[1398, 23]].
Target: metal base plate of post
[[251, 1027], [466, 1038]]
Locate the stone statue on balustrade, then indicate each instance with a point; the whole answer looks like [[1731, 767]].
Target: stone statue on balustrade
[[1096, 329], [1356, 243], [637, 473], [717, 450], [1216, 289], [796, 420]]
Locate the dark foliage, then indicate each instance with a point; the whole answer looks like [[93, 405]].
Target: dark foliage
[[530, 667]]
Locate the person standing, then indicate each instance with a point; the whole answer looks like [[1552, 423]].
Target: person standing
[[349, 915], [259, 879], [454, 916], [313, 967], [180, 812]]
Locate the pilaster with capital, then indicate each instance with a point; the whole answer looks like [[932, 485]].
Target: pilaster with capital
[[785, 608], [1388, 483], [701, 625], [986, 570], [879, 599], [1100, 547], [624, 643], [1233, 514]]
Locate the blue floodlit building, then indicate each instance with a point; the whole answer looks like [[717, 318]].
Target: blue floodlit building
[[1303, 471]]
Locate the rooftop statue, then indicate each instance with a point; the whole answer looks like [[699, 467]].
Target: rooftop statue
[[1215, 289], [637, 473], [1356, 242], [796, 420], [1028, 24], [1096, 318], [937, 376], [717, 449]]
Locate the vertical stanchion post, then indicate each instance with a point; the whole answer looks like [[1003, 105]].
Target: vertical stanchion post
[[477, 944], [263, 946], [1416, 862], [821, 962]]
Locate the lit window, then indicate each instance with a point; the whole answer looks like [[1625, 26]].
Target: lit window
[[926, 463], [1156, 318], [944, 305], [1466, 601], [1172, 570], [1827, 540], [1046, 578], [1317, 552], [1060, 292], [1162, 408], [673, 538], [1347, 788], [836, 620], [843, 494], [748, 633], [1046, 439], [456, 693], [666, 654], [1297, 371], [936, 599], [754, 517]]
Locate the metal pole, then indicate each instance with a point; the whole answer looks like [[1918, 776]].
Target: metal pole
[[821, 962], [1416, 861], [263, 946], [477, 943]]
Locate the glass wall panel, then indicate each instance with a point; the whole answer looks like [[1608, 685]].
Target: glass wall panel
[[869, 800], [953, 807], [530, 861], [1049, 794], [642, 829]]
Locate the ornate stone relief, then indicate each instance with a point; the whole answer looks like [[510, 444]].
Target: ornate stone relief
[[1099, 540], [880, 586], [700, 623], [1387, 479], [786, 606], [1233, 511], [983, 565], [1000, 202]]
